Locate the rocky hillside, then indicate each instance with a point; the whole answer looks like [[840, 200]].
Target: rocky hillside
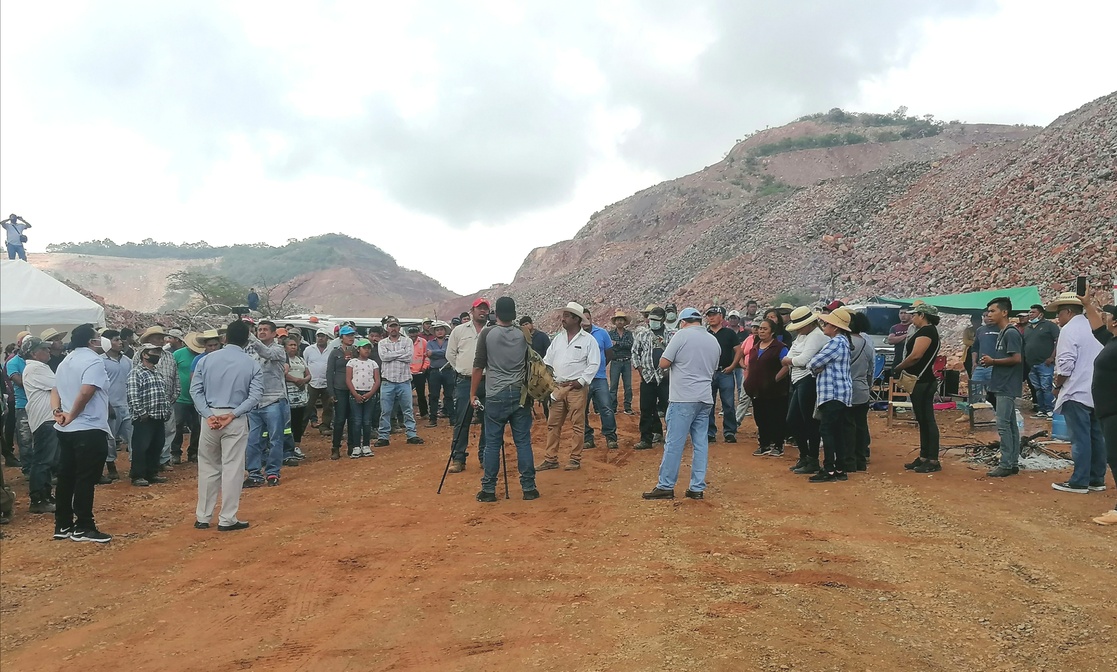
[[325, 268], [796, 210]]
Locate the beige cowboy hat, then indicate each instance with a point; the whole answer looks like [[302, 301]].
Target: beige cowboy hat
[[785, 306], [152, 331], [210, 334], [839, 318], [1064, 299], [620, 315], [195, 342], [52, 333], [574, 308], [650, 308], [801, 317]]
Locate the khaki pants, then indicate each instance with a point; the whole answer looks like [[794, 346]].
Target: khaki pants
[[221, 468], [571, 405], [326, 419]]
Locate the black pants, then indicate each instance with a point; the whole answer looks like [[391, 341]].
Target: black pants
[[653, 397], [419, 383], [923, 408], [800, 418], [82, 457], [298, 423], [186, 421], [771, 420], [341, 414], [835, 416], [857, 437], [147, 447], [9, 433]]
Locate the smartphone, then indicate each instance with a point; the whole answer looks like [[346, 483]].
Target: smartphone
[[1080, 285]]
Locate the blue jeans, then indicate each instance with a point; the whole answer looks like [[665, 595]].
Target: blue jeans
[[620, 372], [602, 403], [120, 427], [361, 417], [16, 250], [979, 380], [1008, 431], [683, 419], [1087, 447], [392, 396], [41, 458], [271, 419], [444, 382], [1040, 378], [723, 383], [738, 383], [466, 413], [503, 408]]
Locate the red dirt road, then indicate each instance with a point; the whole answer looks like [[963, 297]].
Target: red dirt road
[[359, 565]]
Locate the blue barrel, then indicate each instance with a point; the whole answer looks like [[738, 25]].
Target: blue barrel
[[1059, 428]]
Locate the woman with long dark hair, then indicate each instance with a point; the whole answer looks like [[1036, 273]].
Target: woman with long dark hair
[[779, 331], [767, 384], [862, 362], [919, 357]]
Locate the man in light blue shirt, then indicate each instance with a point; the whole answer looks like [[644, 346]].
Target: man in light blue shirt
[[81, 413], [599, 388], [227, 384], [692, 357], [117, 366]]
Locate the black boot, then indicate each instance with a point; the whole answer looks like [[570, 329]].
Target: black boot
[[112, 475], [811, 467], [104, 480]]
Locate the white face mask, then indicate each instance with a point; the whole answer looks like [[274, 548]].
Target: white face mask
[[671, 316], [655, 324]]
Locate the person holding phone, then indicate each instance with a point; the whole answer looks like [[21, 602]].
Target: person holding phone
[[14, 226]]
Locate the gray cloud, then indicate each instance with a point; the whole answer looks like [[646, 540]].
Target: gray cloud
[[505, 137]]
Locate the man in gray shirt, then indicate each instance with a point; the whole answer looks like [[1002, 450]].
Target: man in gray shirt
[[501, 358], [1005, 383], [272, 414], [226, 386], [692, 357]]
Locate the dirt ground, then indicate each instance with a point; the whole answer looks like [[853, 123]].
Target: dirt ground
[[359, 565]]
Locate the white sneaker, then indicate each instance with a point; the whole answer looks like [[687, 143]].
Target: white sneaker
[[299, 454], [366, 451], [355, 452]]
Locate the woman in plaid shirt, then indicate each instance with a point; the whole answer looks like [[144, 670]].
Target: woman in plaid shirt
[[835, 394]]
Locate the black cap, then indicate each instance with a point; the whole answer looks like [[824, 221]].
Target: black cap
[[505, 309], [715, 309], [413, 329], [658, 312], [670, 306]]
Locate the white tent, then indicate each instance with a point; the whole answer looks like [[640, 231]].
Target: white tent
[[31, 300]]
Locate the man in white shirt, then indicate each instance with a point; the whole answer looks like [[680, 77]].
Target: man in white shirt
[[38, 381], [316, 357], [461, 350], [574, 356]]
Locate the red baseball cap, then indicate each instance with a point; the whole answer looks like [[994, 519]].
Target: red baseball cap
[[480, 300]]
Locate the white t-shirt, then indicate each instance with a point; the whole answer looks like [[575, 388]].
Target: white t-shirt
[[38, 380], [363, 374]]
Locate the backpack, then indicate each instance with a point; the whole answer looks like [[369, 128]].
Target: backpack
[[539, 380]]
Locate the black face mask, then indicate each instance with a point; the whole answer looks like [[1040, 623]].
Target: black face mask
[[154, 361]]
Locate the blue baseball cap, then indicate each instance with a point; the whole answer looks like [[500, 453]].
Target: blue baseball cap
[[346, 331], [690, 314]]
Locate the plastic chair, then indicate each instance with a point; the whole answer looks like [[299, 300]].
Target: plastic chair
[[879, 390]]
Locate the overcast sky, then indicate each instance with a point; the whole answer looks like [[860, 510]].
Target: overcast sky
[[457, 136]]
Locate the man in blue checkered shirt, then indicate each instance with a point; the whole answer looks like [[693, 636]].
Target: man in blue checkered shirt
[[835, 394], [150, 407]]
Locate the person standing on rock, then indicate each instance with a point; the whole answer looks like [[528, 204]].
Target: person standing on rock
[[620, 368], [1040, 337], [693, 357], [574, 357], [1006, 381], [460, 352], [1074, 374], [648, 345], [501, 360], [724, 382], [810, 339], [599, 388], [226, 387]]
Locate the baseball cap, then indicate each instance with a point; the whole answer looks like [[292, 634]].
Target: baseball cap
[[734, 313], [150, 346], [390, 320], [361, 342], [670, 306], [31, 344], [480, 300], [693, 314], [323, 332], [713, 309], [176, 333], [455, 321], [346, 330], [413, 329]]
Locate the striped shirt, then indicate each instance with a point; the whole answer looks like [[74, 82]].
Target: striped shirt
[[831, 366], [147, 395], [395, 359]]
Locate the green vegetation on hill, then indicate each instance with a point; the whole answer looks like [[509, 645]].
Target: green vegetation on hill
[[254, 263], [900, 127]]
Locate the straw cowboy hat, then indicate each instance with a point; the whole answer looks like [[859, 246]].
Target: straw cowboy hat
[[152, 331], [785, 306], [195, 342], [801, 317], [839, 318], [213, 334], [574, 309], [51, 333], [1065, 299], [620, 315]]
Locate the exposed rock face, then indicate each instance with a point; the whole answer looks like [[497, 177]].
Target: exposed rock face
[[975, 207]]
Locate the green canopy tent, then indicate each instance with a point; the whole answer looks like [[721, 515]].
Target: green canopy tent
[[973, 303]]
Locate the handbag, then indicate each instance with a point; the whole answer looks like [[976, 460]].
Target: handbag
[[907, 381]]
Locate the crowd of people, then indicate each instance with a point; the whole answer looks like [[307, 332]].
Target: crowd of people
[[239, 399]]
